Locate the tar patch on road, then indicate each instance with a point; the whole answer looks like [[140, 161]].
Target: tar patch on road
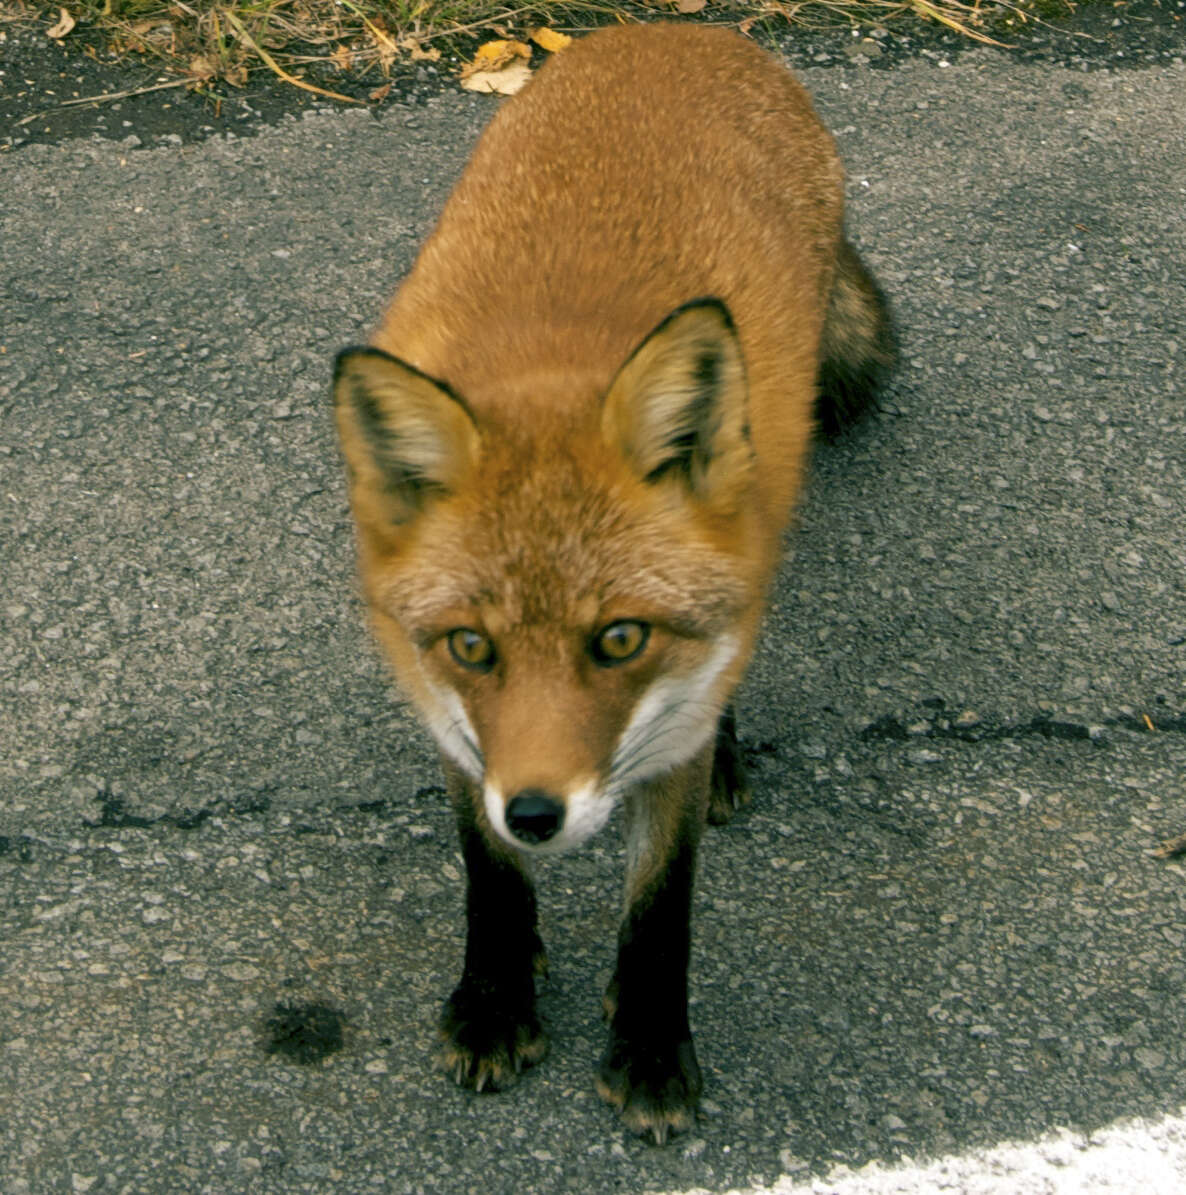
[[303, 1033]]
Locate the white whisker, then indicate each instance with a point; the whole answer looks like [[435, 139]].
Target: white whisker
[[671, 722]]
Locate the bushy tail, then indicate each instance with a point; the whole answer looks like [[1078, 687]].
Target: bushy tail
[[859, 345]]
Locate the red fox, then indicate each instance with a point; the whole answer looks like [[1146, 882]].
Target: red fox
[[573, 444]]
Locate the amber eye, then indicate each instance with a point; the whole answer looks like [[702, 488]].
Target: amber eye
[[471, 649], [619, 642]]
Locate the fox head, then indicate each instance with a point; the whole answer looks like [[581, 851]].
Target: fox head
[[564, 578]]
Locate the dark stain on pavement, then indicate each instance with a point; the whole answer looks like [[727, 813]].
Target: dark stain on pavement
[[303, 1033]]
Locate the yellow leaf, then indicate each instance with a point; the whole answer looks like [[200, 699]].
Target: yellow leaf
[[549, 39], [494, 55], [65, 23], [507, 81]]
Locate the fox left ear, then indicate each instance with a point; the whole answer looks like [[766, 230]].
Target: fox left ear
[[407, 438], [678, 405]]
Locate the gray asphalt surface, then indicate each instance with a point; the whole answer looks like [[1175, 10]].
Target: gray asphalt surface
[[939, 927]]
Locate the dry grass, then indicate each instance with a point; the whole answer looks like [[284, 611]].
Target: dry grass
[[210, 42]]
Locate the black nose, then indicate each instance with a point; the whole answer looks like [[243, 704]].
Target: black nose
[[534, 816]]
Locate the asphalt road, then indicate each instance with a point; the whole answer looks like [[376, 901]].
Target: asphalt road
[[223, 850]]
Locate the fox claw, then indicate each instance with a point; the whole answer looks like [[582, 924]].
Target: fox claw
[[487, 1051], [655, 1093]]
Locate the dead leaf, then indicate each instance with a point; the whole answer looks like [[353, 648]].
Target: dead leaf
[[380, 93], [493, 56], [342, 59], [549, 39], [418, 52], [65, 23], [689, 6], [201, 69], [386, 45], [507, 81], [236, 76], [1171, 848]]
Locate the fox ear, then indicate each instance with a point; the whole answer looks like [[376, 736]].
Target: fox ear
[[406, 438], [678, 405]]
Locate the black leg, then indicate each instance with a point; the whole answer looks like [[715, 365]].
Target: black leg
[[649, 1069], [488, 1025]]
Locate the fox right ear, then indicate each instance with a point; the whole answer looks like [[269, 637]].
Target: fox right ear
[[678, 407], [406, 438]]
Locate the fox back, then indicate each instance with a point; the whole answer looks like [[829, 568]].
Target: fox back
[[576, 436]]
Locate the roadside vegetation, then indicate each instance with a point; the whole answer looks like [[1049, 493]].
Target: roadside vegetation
[[220, 43]]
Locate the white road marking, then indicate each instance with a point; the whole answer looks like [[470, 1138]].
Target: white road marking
[[1136, 1157]]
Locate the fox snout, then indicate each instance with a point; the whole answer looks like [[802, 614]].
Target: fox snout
[[534, 816], [542, 820]]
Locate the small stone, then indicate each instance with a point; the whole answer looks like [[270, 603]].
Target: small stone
[[865, 48], [1150, 1060]]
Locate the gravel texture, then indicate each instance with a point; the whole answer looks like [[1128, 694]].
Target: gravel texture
[[230, 900]]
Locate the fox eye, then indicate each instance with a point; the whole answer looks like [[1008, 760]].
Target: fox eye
[[619, 641], [471, 649]]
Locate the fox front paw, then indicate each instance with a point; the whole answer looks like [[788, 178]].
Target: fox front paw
[[729, 788], [485, 1047], [728, 793], [655, 1090]]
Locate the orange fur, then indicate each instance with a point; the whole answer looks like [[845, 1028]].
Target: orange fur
[[643, 168]]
